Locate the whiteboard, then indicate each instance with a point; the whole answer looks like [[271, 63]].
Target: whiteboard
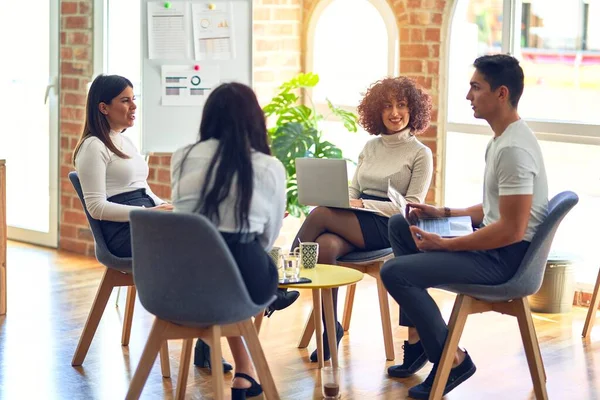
[[165, 128]]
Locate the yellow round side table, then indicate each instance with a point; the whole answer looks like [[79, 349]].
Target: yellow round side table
[[324, 278]]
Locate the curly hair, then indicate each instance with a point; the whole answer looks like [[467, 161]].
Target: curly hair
[[400, 89]]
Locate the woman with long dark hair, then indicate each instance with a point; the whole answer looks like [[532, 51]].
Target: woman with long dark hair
[[111, 170], [230, 177]]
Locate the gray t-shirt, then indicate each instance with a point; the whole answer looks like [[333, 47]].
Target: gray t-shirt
[[514, 166]]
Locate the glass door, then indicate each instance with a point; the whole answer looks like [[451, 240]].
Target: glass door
[[29, 104]]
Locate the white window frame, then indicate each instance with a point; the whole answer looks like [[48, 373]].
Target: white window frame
[[389, 18], [559, 131]]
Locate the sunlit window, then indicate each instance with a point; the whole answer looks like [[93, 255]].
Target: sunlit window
[[351, 44], [350, 50], [123, 52]]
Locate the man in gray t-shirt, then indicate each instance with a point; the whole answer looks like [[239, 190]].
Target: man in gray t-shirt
[[515, 202]]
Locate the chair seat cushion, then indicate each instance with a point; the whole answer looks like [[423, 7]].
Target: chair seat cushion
[[363, 256], [491, 293]]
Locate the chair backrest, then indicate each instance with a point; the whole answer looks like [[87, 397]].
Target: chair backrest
[[528, 278], [103, 255], [184, 272]]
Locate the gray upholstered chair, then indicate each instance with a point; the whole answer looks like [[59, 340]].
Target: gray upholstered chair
[[187, 278], [118, 273], [591, 315], [367, 262], [508, 298]]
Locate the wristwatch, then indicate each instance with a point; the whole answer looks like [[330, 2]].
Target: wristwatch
[[447, 212]]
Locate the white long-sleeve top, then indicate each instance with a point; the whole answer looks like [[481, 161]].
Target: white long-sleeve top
[[268, 197], [399, 159], [104, 174]]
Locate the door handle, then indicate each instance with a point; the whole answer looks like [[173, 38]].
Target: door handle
[[52, 85]]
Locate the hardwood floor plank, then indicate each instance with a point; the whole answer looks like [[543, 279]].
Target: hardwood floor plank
[[50, 295]]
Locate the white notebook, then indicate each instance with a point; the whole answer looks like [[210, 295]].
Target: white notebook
[[447, 226]]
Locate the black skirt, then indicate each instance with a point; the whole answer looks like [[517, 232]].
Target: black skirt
[[256, 267], [117, 235], [374, 227]]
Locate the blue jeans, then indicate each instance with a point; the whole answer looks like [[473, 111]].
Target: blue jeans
[[411, 272]]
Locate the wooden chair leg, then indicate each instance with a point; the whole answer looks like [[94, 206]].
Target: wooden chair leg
[[165, 365], [129, 305], [386, 324], [184, 368], [457, 323], [309, 329], [155, 341], [532, 348], [258, 319], [591, 315], [259, 360], [215, 359], [350, 290], [89, 330]]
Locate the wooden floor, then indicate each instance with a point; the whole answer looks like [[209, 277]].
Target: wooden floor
[[50, 294]]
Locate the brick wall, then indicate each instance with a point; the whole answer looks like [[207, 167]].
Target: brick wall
[[276, 49], [420, 27], [75, 72]]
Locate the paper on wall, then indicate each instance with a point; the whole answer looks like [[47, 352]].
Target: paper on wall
[[168, 31], [213, 31], [182, 85]]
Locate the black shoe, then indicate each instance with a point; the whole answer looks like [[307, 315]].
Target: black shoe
[[458, 375], [339, 333], [252, 391], [285, 298], [202, 357], [414, 359]]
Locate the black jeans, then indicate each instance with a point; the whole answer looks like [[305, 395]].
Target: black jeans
[[411, 272], [117, 235]]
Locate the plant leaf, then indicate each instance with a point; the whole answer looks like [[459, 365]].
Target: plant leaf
[[291, 141], [349, 119], [327, 150]]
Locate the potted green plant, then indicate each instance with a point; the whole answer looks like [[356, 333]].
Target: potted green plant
[[296, 130]]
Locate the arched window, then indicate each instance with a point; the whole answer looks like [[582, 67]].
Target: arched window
[[559, 49], [350, 44]]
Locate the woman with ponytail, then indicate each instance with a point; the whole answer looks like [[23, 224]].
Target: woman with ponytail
[[230, 177]]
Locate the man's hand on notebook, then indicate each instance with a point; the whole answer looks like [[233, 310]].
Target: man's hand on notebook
[[415, 211], [427, 241]]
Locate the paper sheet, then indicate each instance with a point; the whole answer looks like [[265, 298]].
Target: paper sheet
[[168, 31], [182, 85], [213, 31], [396, 197]]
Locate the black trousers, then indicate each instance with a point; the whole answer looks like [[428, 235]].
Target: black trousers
[[117, 235], [411, 272]]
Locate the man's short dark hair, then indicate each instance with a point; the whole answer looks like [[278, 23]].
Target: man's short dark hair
[[502, 70]]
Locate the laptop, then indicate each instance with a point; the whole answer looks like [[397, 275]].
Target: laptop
[[447, 226], [324, 182]]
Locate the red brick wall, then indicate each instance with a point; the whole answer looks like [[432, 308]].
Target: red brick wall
[[420, 27], [76, 68]]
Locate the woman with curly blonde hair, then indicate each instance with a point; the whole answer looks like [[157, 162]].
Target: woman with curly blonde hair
[[395, 110]]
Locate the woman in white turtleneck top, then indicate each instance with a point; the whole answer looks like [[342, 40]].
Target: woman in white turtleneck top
[[111, 171], [395, 110]]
